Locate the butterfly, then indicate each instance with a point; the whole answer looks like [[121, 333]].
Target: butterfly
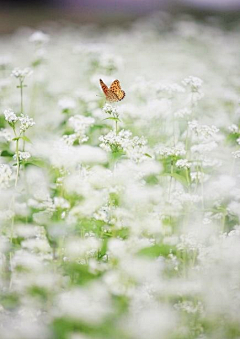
[[114, 93]]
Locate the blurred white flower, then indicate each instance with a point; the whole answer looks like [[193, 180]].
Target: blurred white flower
[[67, 104], [90, 305], [23, 156], [194, 83], [236, 154], [234, 129], [10, 116], [39, 37], [21, 74], [164, 151], [80, 125], [6, 175], [183, 163], [5, 134]]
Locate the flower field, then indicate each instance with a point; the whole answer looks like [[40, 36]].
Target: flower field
[[120, 220]]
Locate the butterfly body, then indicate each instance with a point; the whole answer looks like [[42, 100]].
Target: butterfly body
[[114, 92]]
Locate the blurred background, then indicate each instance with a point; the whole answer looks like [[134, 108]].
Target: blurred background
[[17, 13]]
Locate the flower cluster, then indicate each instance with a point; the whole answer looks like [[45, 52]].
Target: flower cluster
[[112, 216], [193, 82], [174, 151], [203, 131], [109, 109], [66, 104], [39, 37], [25, 122], [10, 116], [80, 124], [21, 74], [183, 163], [134, 147], [23, 156], [6, 175]]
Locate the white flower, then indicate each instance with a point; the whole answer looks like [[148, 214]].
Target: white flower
[[194, 83], [182, 113], [67, 104], [5, 134], [189, 307], [6, 175], [60, 203], [71, 138], [21, 74], [135, 147], [25, 122], [24, 156], [234, 129], [165, 151], [183, 163], [39, 37], [203, 131], [8, 214], [236, 154], [197, 176], [170, 89], [204, 147], [80, 125], [5, 60], [109, 61], [109, 109], [89, 305], [10, 116]]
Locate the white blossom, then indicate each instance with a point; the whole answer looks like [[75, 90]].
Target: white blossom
[[5, 134], [183, 163], [195, 83], [23, 156], [166, 151], [234, 129], [67, 104], [236, 154], [21, 74], [80, 124], [10, 116], [6, 175], [39, 37], [25, 122], [109, 109]]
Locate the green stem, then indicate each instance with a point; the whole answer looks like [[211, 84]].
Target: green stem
[[223, 221], [188, 178], [17, 155], [116, 126], [18, 163], [170, 184], [202, 189], [21, 91]]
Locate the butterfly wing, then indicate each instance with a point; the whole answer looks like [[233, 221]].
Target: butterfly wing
[[116, 89], [110, 95], [104, 87]]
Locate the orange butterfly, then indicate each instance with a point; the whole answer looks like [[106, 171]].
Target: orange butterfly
[[114, 93]]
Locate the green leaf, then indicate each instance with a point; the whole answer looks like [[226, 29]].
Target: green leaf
[[148, 155], [36, 162], [26, 139], [115, 119], [157, 250], [16, 139], [178, 177], [6, 153]]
